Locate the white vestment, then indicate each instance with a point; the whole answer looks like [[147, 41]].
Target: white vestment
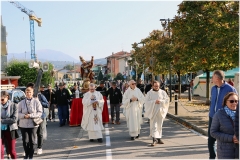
[[133, 110], [92, 119], [156, 112]]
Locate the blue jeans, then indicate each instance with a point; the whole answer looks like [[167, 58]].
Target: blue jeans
[[62, 113], [211, 142]]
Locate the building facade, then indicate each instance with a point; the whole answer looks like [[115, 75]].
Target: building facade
[[113, 63], [124, 66]]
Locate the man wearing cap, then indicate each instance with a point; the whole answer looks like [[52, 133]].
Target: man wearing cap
[[92, 113], [102, 89], [115, 97], [62, 99], [50, 96], [133, 100]]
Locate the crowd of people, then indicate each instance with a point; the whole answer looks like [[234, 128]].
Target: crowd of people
[[137, 100]]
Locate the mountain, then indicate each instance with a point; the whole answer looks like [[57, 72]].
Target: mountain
[[43, 55], [57, 58]]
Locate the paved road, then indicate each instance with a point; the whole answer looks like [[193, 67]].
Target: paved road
[[72, 143]]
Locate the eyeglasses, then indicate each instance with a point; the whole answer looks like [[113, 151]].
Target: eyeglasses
[[232, 101], [133, 83]]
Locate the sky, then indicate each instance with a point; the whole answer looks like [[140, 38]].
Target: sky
[[84, 28]]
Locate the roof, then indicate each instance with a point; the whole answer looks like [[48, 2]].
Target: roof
[[124, 56], [10, 77], [228, 74], [118, 54]]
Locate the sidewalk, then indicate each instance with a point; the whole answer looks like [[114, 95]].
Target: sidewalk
[[193, 114]]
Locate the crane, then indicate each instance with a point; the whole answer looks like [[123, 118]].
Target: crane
[[32, 18]]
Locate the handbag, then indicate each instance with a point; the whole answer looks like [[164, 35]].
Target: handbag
[[36, 121]]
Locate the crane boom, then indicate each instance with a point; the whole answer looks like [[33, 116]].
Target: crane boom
[[32, 18]]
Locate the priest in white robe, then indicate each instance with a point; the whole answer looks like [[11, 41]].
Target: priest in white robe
[[132, 104], [92, 113], [156, 105]]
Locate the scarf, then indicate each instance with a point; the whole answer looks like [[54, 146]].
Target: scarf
[[230, 112], [5, 114]]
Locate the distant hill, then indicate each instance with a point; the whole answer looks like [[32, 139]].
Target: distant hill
[[57, 58], [43, 55]]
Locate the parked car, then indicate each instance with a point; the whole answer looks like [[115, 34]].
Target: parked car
[[16, 95], [22, 88]]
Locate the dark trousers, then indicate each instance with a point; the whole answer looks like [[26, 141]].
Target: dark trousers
[[40, 135], [115, 107], [9, 143], [51, 112], [62, 113], [67, 113], [28, 137], [211, 142]]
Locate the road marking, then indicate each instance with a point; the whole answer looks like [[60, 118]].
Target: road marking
[[205, 137], [199, 134], [108, 142], [108, 154], [107, 131]]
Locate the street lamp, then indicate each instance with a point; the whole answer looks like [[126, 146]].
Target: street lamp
[[165, 24], [152, 64], [136, 66]]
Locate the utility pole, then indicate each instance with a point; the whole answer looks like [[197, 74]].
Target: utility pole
[[165, 24]]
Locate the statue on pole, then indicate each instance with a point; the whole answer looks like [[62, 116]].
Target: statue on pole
[[86, 73]]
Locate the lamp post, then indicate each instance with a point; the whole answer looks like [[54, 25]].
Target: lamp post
[[165, 24], [136, 66], [152, 64]]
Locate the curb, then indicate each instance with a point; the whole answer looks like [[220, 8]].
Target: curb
[[187, 124]]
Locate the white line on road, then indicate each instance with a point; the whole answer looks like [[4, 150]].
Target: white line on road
[[108, 142], [108, 154], [107, 131], [197, 133], [205, 137]]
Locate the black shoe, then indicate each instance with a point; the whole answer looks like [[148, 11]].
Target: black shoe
[[91, 140], [61, 125], [160, 141], [154, 143], [132, 138], [138, 136], [100, 140]]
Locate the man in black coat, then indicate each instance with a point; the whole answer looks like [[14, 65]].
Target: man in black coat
[[148, 87], [101, 87], [50, 96], [62, 99], [115, 97], [141, 86]]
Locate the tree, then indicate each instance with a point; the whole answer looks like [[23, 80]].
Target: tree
[[69, 67], [100, 76], [119, 77], [20, 68], [206, 35]]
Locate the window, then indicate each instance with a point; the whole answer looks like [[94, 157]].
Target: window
[[15, 97], [21, 95]]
